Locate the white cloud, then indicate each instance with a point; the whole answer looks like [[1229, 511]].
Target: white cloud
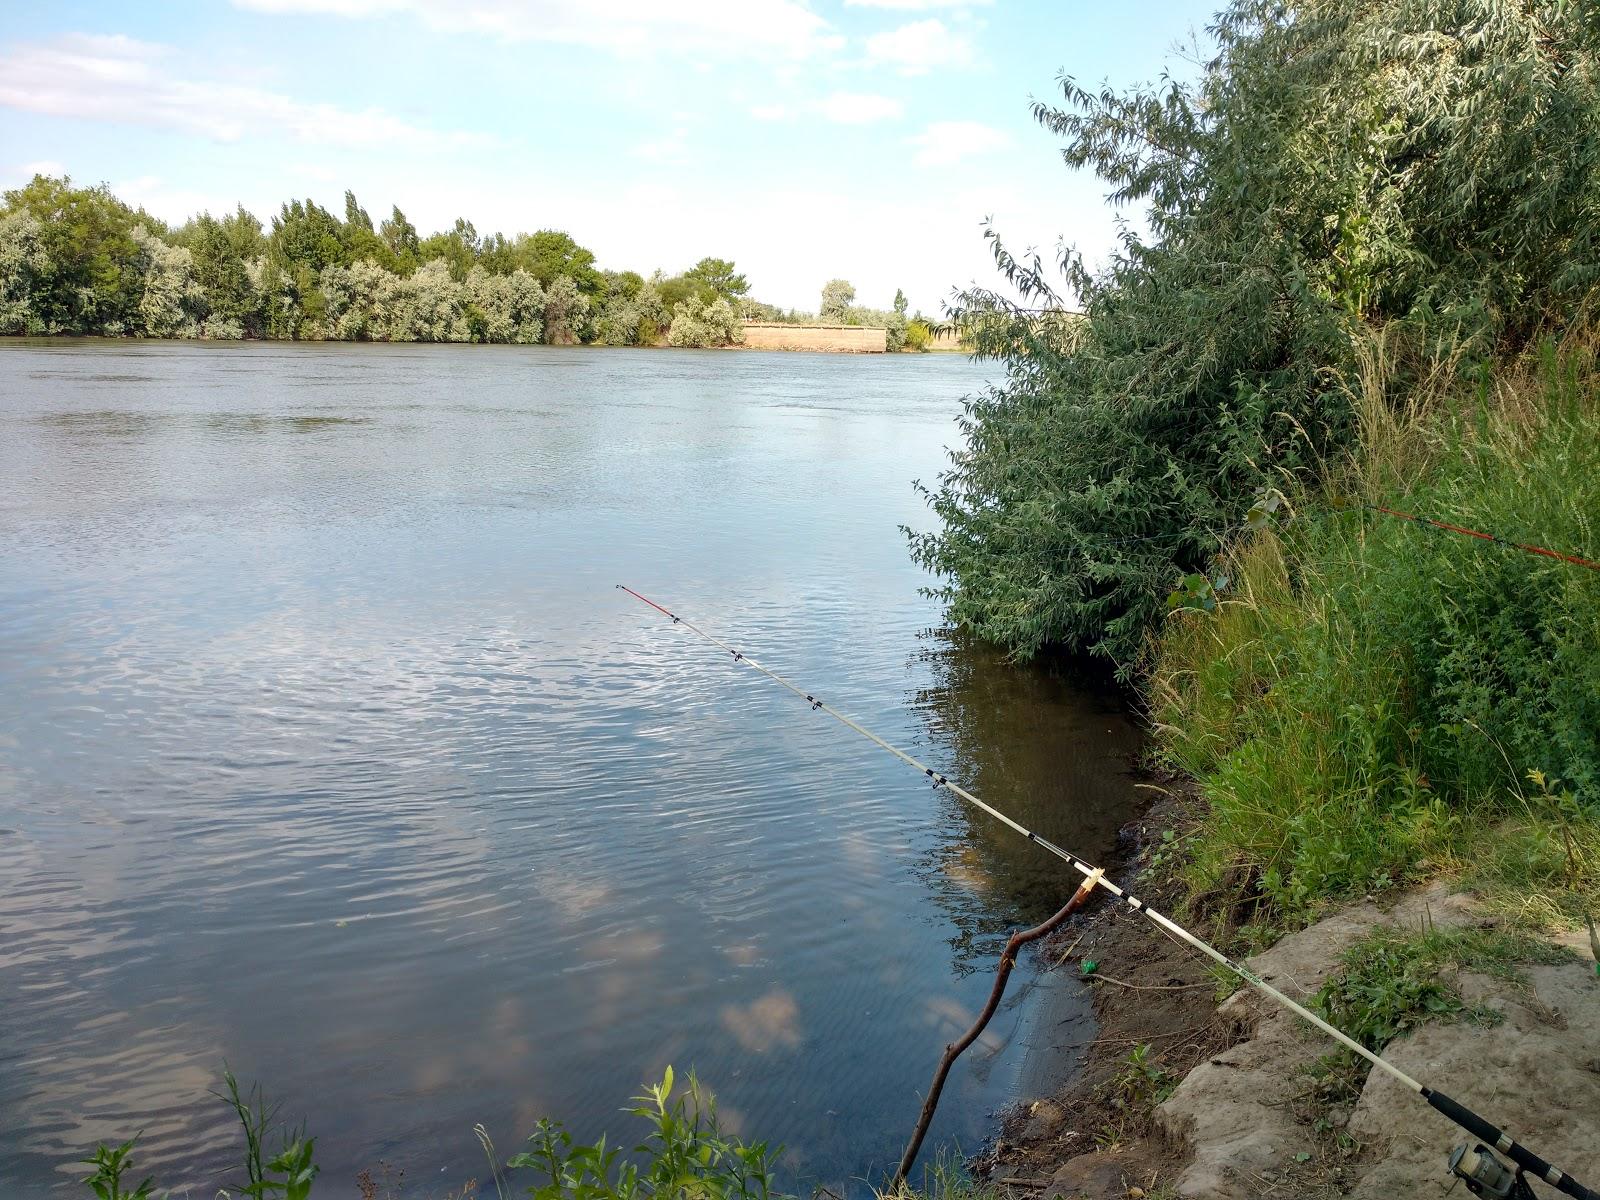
[[780, 28], [915, 5], [857, 108], [671, 150], [120, 79], [770, 112], [920, 47], [945, 143]]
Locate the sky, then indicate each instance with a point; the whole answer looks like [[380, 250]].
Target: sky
[[803, 139]]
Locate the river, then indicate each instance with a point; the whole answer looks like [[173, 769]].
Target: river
[[329, 751]]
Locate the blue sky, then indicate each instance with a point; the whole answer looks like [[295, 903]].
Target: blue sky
[[804, 139]]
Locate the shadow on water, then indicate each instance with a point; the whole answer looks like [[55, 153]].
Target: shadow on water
[[118, 423], [1053, 746]]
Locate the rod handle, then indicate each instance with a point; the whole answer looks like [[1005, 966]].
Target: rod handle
[[1501, 1141]]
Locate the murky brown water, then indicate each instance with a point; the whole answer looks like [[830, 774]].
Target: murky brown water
[[328, 751]]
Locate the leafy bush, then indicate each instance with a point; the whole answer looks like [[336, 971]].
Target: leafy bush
[[696, 324], [1334, 166]]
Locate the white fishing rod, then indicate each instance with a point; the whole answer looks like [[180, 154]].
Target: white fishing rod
[[1458, 1113]]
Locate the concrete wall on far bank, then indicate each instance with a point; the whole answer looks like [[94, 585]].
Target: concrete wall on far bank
[[836, 339]]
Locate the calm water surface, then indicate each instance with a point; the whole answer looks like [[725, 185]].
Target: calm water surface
[[329, 751]]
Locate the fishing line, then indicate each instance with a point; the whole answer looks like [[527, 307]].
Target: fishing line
[[1461, 1115]]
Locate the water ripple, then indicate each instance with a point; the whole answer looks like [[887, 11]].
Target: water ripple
[[328, 751]]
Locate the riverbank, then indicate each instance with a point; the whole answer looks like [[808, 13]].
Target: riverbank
[[1147, 991], [1191, 1089]]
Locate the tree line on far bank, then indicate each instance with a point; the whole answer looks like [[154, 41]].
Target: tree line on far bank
[[79, 261]]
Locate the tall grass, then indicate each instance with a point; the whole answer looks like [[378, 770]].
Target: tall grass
[[1365, 703]]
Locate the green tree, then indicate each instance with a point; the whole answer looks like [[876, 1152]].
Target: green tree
[[837, 295], [362, 242], [400, 235], [566, 312], [23, 261], [90, 279], [715, 278], [497, 254], [1430, 162], [458, 247], [630, 312], [225, 253], [171, 302], [900, 302], [550, 254], [355, 217], [675, 289], [305, 239], [701, 325]]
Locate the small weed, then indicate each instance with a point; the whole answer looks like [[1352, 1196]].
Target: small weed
[[1166, 854], [291, 1172], [1393, 981], [110, 1163], [686, 1153], [947, 1179], [288, 1175], [1390, 983], [1135, 1091], [1225, 981]]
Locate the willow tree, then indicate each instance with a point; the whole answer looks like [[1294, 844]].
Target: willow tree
[[1332, 165]]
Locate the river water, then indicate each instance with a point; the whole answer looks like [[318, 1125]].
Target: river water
[[329, 751]]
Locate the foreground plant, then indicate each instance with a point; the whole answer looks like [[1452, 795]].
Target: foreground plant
[[110, 1163], [287, 1175], [685, 1155]]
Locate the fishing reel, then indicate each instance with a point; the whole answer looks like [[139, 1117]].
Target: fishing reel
[[1486, 1175]]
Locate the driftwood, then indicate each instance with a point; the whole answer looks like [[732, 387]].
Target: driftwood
[[1008, 960]]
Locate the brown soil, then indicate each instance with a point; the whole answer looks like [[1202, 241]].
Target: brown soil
[[1149, 990], [1241, 1124]]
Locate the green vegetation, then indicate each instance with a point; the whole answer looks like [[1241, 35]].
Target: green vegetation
[[110, 1164], [1365, 699], [685, 1154], [78, 261], [1335, 168], [1372, 260], [1134, 1092], [1390, 982], [286, 1175]]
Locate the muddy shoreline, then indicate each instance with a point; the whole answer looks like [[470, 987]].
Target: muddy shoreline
[[1146, 989]]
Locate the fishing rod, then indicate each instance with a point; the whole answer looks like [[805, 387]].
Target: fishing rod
[[1477, 1160], [1526, 547]]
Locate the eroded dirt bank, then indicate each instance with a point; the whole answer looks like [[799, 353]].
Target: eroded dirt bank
[[1182, 1096]]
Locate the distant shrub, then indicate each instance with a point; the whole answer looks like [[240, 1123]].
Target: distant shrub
[[698, 324]]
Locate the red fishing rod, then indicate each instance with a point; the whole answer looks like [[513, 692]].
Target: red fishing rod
[[1525, 547]]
